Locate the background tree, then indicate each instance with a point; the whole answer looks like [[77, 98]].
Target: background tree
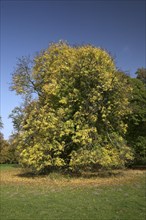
[[136, 133], [4, 146], [77, 118], [1, 124], [141, 75], [7, 151]]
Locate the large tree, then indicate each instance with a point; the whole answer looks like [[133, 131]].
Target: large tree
[[77, 117]]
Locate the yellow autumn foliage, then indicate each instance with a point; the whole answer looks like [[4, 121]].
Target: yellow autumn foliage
[[80, 105]]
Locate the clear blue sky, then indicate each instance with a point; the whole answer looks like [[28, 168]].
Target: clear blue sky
[[29, 26]]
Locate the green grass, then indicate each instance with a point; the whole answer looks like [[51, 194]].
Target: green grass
[[8, 166], [125, 201]]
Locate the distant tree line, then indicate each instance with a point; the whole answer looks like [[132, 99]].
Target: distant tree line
[[79, 111], [7, 150]]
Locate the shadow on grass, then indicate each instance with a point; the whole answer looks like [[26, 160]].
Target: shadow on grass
[[57, 174], [102, 174]]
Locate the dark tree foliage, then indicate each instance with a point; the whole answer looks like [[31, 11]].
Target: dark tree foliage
[[136, 133], [141, 75]]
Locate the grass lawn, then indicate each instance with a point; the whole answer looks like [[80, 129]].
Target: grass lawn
[[119, 197]]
